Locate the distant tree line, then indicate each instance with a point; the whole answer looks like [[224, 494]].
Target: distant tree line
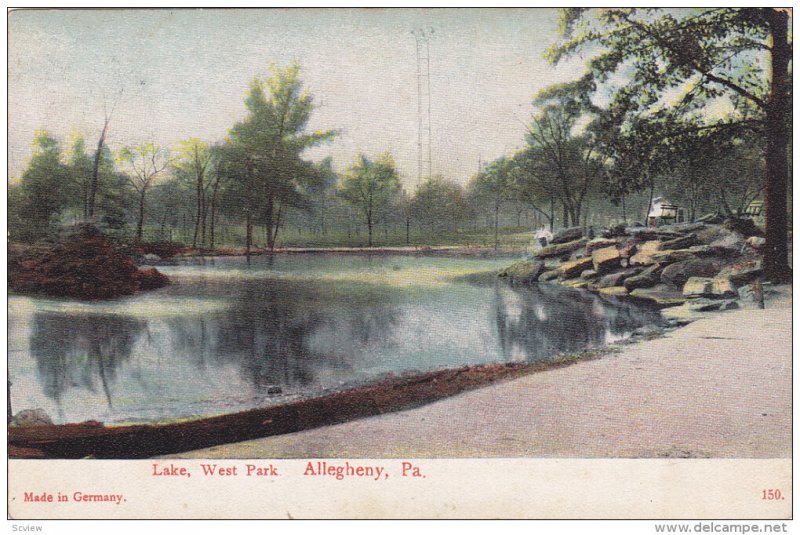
[[596, 150]]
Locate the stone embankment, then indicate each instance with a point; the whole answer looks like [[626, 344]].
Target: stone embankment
[[697, 266]]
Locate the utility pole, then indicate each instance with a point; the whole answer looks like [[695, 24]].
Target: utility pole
[[424, 129]]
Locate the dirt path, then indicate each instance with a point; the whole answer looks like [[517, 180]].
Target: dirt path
[[720, 387]]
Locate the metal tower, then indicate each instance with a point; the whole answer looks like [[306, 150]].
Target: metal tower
[[424, 135]]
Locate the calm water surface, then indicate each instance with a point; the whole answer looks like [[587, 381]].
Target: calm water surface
[[226, 336]]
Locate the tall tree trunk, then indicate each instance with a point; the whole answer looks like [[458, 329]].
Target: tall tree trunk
[[248, 235], [213, 211], [197, 214], [277, 228], [270, 222], [369, 228], [496, 221], [552, 212], [98, 156], [649, 203], [776, 254], [624, 215], [140, 220]]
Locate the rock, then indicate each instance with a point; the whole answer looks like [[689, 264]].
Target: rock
[[615, 231], [732, 242], [676, 255], [523, 272], [30, 418], [575, 283], [679, 243], [745, 227], [724, 287], [549, 275], [151, 258], [756, 242], [567, 235], [649, 233], [616, 279], [698, 287], [574, 268], [560, 249], [606, 259], [718, 288], [677, 274], [644, 253], [706, 305], [647, 278], [686, 228], [661, 295], [613, 290], [648, 331], [743, 272], [589, 274], [599, 243]]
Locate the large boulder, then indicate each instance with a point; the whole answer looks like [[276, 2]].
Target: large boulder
[[574, 268], [614, 290], [616, 279], [644, 253], [606, 259], [567, 235], [549, 275], [678, 273], [523, 272], [679, 243], [676, 255], [660, 295], [743, 272], [559, 249], [599, 243], [30, 418], [718, 287], [647, 278]]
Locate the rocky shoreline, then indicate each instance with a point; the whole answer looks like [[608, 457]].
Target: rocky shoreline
[[689, 268]]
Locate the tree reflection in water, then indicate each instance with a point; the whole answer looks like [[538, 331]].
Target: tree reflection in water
[[541, 321], [81, 350]]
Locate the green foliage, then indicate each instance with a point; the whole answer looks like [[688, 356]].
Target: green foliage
[[439, 203], [263, 154], [43, 192], [370, 187]]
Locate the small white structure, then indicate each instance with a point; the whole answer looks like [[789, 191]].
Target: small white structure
[[663, 212], [543, 236]]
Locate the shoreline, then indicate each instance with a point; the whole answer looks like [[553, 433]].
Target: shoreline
[[703, 390]]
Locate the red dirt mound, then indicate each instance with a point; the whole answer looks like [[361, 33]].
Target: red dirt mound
[[94, 267]]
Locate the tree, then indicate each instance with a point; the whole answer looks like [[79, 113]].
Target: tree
[[264, 150], [142, 165], [492, 187], [440, 203], [81, 172], [369, 186], [43, 191], [703, 56], [193, 161]]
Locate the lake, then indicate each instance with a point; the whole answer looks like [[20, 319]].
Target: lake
[[228, 336]]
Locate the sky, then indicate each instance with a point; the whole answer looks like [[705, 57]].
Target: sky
[[185, 73]]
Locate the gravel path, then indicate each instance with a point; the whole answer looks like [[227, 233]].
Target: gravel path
[[719, 387]]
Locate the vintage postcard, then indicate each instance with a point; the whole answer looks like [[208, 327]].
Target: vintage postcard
[[400, 264]]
